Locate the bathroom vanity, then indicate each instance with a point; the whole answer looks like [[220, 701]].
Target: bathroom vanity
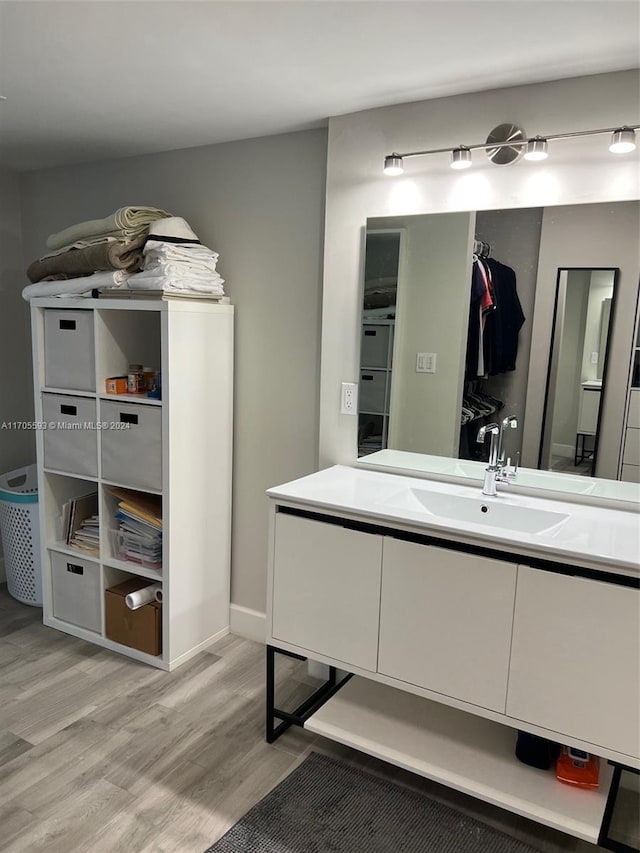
[[459, 619]]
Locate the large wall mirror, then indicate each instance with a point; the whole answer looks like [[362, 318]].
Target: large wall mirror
[[471, 317]]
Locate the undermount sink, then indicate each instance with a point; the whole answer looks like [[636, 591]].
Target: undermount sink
[[478, 510]]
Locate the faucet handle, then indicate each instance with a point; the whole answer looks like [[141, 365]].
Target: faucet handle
[[494, 429]]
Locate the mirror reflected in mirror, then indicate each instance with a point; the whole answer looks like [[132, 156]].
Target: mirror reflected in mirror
[[464, 318], [577, 369]]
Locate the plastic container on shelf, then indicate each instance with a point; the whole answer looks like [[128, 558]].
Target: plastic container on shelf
[[20, 531]]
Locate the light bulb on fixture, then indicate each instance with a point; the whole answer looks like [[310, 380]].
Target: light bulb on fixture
[[623, 140], [393, 164], [460, 158], [537, 149]]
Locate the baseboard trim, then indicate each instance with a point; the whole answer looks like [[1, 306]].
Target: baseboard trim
[[248, 623], [565, 450]]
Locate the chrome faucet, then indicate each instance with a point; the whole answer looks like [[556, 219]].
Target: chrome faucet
[[492, 474], [512, 423]]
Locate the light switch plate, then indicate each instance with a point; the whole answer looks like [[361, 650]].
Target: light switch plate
[[426, 362]]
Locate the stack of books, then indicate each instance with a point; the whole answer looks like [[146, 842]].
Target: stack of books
[[80, 523], [138, 538]]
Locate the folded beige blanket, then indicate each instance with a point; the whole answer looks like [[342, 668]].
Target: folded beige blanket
[[131, 222], [79, 262]]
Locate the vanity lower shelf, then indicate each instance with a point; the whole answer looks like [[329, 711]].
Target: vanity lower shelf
[[460, 750]]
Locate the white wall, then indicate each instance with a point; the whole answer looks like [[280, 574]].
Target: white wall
[[432, 315], [259, 203], [16, 404], [578, 172]]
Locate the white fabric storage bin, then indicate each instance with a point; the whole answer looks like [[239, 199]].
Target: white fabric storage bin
[[76, 590], [132, 456], [70, 437], [373, 386], [69, 358]]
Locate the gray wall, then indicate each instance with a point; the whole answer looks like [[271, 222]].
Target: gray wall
[[259, 203], [16, 401], [16, 446]]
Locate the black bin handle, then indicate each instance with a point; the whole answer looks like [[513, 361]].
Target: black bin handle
[[68, 410], [127, 418], [69, 325], [75, 569]]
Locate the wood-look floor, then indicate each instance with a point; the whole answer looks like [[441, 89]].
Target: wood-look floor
[[100, 753]]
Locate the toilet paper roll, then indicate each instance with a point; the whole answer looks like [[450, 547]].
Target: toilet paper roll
[[142, 596], [159, 595]]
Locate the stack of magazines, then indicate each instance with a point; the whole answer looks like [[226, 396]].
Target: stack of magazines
[[80, 523], [87, 536], [139, 534]]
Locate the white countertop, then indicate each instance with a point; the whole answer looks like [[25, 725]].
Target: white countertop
[[593, 537], [528, 480]]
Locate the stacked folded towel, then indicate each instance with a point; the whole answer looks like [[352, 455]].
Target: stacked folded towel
[[127, 223], [112, 243], [172, 257], [175, 260]]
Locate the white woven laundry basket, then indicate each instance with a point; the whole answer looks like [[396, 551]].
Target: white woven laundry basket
[[20, 531]]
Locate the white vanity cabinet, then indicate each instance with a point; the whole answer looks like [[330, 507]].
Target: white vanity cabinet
[[446, 620], [455, 637], [575, 660], [326, 590]]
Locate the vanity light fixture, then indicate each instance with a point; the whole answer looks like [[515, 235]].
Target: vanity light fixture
[[537, 149], [393, 165], [623, 140], [460, 158], [507, 142]]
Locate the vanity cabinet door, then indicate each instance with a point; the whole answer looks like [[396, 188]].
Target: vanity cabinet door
[[446, 620], [326, 589], [575, 660]]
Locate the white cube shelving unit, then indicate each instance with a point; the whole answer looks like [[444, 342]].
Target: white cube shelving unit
[[179, 447]]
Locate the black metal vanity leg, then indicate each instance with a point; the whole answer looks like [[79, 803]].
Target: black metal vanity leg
[[271, 689], [303, 711]]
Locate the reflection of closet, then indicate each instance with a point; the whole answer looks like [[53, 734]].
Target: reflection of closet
[[495, 319], [376, 346], [376, 353], [631, 446]]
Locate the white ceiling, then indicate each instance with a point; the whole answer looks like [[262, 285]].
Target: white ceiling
[[88, 80]]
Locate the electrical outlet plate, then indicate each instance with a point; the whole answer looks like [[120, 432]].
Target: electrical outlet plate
[[349, 398]]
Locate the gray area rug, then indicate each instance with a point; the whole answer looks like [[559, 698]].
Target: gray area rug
[[325, 806]]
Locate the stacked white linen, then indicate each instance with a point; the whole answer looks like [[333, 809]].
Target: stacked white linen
[[83, 286], [175, 260]]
